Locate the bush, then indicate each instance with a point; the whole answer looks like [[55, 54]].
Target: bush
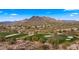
[[45, 47], [11, 41], [35, 38], [2, 39], [28, 38], [42, 40]]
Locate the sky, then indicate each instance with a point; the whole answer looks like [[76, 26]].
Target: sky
[[21, 14]]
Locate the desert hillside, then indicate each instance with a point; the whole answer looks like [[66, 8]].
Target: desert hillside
[[39, 33]]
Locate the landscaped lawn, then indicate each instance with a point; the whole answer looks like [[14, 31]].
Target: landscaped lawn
[[17, 36], [5, 33]]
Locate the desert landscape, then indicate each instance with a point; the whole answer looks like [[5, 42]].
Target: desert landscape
[[39, 33]]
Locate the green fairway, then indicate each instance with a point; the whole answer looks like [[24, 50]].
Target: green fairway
[[5, 33]]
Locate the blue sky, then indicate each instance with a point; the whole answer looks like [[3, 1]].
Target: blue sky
[[20, 14]]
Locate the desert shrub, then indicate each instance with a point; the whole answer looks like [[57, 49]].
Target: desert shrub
[[2, 39], [42, 40], [11, 41], [54, 42], [66, 44], [35, 38], [28, 38], [45, 47]]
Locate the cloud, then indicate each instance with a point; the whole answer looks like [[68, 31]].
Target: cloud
[[70, 9], [73, 14], [9, 17], [13, 14]]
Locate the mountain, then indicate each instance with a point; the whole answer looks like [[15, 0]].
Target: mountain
[[7, 22], [38, 20], [43, 20], [69, 21]]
